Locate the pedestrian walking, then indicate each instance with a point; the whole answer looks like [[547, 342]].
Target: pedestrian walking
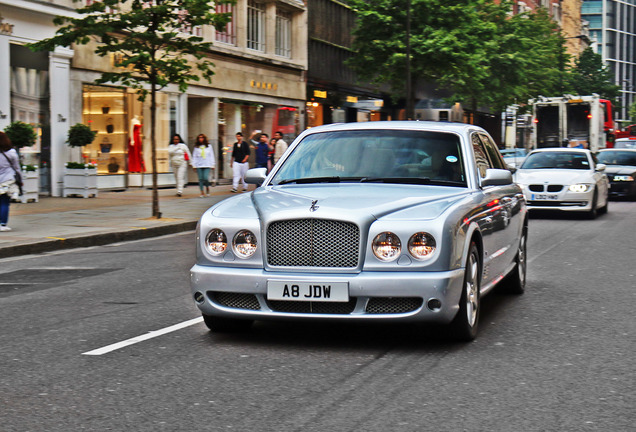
[[240, 156], [270, 154], [203, 162], [179, 158], [281, 146], [10, 179]]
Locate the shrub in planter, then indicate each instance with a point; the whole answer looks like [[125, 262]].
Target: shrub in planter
[[80, 135], [21, 134]]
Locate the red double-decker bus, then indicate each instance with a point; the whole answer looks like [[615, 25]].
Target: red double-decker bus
[[608, 122]]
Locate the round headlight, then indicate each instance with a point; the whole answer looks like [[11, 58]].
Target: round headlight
[[579, 188], [422, 246], [244, 244], [386, 246], [216, 242]]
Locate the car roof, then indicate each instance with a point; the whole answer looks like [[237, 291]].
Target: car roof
[[561, 149], [629, 150], [458, 128]]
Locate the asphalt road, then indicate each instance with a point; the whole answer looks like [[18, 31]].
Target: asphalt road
[[558, 358]]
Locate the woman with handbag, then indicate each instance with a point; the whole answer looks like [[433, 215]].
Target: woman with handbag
[[10, 179]]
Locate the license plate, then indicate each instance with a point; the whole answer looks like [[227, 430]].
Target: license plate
[[545, 197], [308, 291]]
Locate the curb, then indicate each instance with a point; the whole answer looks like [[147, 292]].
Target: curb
[[97, 239]]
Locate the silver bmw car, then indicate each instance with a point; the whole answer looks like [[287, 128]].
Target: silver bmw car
[[393, 221]]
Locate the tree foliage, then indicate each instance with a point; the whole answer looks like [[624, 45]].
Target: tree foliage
[[590, 75], [151, 43], [80, 135], [473, 48]]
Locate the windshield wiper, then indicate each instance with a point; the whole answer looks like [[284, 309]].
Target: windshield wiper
[[401, 180], [332, 179]]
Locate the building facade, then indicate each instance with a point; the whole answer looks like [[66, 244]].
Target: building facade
[[260, 62], [612, 25]]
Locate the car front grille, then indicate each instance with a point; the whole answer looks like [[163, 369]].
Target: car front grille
[[313, 243], [543, 188], [313, 307], [557, 203], [393, 305], [234, 300]]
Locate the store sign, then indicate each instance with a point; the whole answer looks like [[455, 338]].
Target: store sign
[[5, 28], [320, 94], [263, 85], [352, 99]]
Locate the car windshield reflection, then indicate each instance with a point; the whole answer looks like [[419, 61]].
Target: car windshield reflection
[[617, 158], [394, 156], [556, 160]]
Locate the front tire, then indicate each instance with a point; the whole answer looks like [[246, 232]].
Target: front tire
[[464, 326], [592, 213], [226, 325]]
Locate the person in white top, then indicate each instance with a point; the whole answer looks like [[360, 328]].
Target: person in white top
[[179, 157], [281, 146], [203, 161], [9, 175]]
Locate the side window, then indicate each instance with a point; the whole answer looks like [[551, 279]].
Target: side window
[[481, 157], [496, 161]]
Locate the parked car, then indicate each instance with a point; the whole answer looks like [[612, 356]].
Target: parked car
[[625, 143], [514, 157], [621, 171], [341, 231], [565, 179]]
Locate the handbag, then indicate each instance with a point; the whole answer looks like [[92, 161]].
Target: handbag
[[17, 176]]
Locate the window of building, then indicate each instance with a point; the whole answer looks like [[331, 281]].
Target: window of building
[[283, 33], [228, 35], [255, 25]]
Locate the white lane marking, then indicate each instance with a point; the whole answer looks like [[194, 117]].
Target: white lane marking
[[149, 335]]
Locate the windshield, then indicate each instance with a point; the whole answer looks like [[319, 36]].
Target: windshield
[[617, 158], [389, 156], [556, 160]]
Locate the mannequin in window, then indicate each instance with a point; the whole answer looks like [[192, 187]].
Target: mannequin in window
[[135, 158]]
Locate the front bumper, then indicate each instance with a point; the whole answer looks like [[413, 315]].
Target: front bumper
[[396, 296], [622, 190], [564, 200]]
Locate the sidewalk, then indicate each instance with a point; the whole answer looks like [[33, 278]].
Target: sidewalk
[[60, 223]]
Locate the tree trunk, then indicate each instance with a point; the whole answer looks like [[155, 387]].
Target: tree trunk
[[153, 146]]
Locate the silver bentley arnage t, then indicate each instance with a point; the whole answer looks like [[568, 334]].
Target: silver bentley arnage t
[[397, 221]]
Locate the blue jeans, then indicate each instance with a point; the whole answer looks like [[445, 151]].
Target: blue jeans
[[204, 174], [5, 201]]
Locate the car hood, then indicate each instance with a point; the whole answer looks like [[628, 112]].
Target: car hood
[[353, 202], [553, 176], [620, 169]]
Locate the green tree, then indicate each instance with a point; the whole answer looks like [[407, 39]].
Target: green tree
[[590, 75], [152, 47], [632, 112], [21, 134], [473, 48]]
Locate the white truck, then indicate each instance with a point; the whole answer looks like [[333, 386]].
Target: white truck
[[569, 121]]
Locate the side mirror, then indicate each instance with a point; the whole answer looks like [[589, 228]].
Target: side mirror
[[601, 167], [497, 177], [256, 176], [512, 169]]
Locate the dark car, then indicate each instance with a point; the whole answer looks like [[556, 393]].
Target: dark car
[[621, 171]]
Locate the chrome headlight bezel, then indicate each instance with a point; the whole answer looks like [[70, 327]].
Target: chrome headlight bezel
[[244, 244], [422, 246], [580, 187], [386, 246], [216, 242]]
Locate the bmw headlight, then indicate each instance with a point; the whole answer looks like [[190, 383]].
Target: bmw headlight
[[623, 178], [579, 188], [386, 246], [422, 246], [216, 241], [244, 244]]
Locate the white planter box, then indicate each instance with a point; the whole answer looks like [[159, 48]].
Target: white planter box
[[82, 181], [31, 186]]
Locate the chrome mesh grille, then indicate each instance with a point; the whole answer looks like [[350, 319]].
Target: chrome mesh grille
[[234, 300], [339, 308], [393, 305], [313, 243]]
